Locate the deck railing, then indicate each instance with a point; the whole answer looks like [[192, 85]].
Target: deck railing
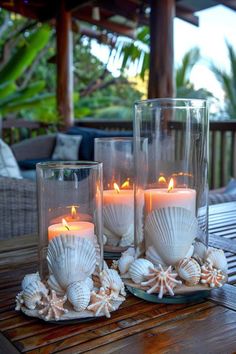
[[222, 153]]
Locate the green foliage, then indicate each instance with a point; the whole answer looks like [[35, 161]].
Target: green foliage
[[25, 55], [228, 82]]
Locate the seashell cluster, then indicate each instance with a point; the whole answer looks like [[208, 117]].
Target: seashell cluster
[[110, 280], [217, 259], [161, 281], [71, 288], [171, 232], [79, 295], [212, 276], [33, 294], [52, 306], [101, 303], [125, 261], [139, 269], [189, 270], [118, 224]]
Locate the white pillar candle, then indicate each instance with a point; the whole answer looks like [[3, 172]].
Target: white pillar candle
[[125, 197], [81, 228], [177, 197]]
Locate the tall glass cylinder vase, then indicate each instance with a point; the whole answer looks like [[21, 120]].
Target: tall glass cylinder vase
[[171, 198], [72, 283], [116, 154], [69, 204]]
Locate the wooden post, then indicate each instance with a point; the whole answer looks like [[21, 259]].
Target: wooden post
[[161, 81], [64, 66]]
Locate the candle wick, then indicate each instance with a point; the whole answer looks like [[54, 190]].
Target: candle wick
[[67, 227]]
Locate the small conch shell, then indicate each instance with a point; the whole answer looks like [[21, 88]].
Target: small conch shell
[[128, 239], [71, 259], [125, 262], [139, 269], [110, 280], [189, 270], [79, 295], [217, 258], [28, 279], [33, 294]]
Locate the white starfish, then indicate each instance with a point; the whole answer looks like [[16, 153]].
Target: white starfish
[[52, 306], [101, 302], [212, 276], [161, 281]]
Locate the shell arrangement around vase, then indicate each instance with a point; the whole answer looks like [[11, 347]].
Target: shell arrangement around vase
[[162, 279], [75, 286], [118, 225]]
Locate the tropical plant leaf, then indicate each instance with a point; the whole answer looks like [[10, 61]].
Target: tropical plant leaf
[[25, 55], [6, 89], [22, 94]]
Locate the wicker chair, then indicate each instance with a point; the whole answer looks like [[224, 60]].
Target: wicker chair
[[18, 207]]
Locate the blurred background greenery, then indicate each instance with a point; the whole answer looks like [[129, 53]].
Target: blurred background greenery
[[28, 74]]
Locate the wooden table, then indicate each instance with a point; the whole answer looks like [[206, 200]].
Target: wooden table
[[137, 327]]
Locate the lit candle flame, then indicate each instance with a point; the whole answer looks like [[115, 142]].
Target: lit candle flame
[[126, 184], [162, 179], [73, 212], [64, 223], [171, 185], [116, 187]]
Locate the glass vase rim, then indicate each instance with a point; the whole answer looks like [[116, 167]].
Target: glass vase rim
[[68, 164], [200, 102], [115, 138]]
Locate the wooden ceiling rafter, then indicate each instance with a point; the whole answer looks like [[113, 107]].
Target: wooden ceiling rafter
[[186, 14], [228, 3]]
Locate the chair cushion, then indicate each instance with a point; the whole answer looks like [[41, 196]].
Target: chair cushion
[[8, 163], [67, 147], [86, 151]]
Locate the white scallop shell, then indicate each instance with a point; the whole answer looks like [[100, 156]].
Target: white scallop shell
[[89, 282], [53, 284], [112, 239], [138, 269], [189, 270], [153, 256], [78, 294], [125, 262], [171, 231], [71, 259], [118, 218], [111, 280], [127, 239], [33, 294], [28, 279], [217, 259], [200, 249], [130, 251]]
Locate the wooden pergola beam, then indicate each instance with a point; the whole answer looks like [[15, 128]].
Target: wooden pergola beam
[[186, 15], [64, 66], [228, 3], [161, 82]]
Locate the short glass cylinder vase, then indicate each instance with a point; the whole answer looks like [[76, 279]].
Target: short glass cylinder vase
[[171, 203], [73, 282], [116, 154]]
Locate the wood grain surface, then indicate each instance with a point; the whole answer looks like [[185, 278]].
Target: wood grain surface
[[138, 326]]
